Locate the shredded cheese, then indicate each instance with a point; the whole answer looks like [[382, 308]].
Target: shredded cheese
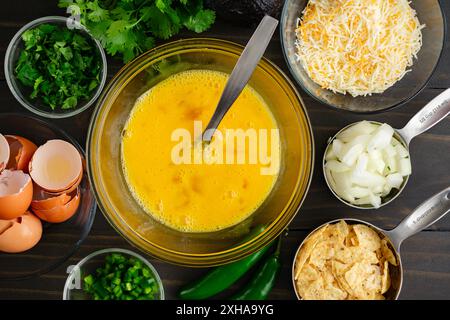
[[358, 47]]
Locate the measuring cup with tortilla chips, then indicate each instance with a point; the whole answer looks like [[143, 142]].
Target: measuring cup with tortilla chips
[[348, 259]]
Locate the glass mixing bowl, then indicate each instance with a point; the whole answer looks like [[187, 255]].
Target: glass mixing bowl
[[112, 192], [429, 13]]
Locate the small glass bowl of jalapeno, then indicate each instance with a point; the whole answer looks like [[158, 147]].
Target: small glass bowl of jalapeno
[[113, 274]]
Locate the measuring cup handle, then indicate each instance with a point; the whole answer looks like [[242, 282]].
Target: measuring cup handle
[[422, 217], [436, 110]]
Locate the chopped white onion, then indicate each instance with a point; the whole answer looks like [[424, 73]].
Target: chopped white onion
[[381, 137], [365, 162], [368, 179], [358, 129], [330, 155], [350, 155], [401, 151], [337, 147], [391, 164], [375, 200], [361, 164], [390, 151], [376, 162], [359, 192], [337, 166], [404, 167], [394, 180]]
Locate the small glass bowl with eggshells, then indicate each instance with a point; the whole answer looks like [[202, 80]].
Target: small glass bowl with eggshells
[[46, 204]]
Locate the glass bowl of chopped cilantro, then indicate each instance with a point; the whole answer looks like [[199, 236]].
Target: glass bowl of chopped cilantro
[[113, 274], [54, 67]]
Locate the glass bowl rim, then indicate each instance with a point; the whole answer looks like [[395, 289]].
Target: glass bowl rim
[[284, 14], [92, 210], [19, 96], [241, 250], [92, 255]]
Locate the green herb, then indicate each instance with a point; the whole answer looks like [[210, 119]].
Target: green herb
[[122, 278], [59, 65], [129, 27]]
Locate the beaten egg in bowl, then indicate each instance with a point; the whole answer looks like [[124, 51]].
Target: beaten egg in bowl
[[197, 193]]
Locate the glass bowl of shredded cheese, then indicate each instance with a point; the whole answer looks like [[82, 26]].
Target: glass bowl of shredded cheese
[[363, 56]]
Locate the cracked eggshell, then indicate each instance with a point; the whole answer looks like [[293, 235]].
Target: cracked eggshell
[[72, 187], [4, 152], [43, 200], [20, 234], [16, 193], [21, 152], [56, 166], [60, 213]]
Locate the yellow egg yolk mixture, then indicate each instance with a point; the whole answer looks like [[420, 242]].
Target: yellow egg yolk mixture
[[195, 197]]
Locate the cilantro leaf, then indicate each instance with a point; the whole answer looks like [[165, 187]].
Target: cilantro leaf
[[160, 23], [98, 31], [69, 103], [129, 27], [27, 74], [66, 52], [201, 21], [117, 28], [96, 13]]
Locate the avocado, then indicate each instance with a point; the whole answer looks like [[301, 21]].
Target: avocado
[[245, 12]]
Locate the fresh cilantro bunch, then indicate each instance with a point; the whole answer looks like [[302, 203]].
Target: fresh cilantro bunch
[[59, 65], [129, 27]]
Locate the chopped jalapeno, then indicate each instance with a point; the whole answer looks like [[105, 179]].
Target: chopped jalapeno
[[122, 278]]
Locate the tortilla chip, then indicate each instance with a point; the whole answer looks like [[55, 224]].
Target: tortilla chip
[[339, 269], [314, 291], [387, 252], [334, 292], [307, 248], [378, 296], [367, 237], [351, 239], [340, 231], [322, 252], [386, 278], [349, 255], [308, 275], [364, 280]]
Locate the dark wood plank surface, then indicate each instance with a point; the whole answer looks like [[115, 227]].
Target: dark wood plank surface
[[426, 256]]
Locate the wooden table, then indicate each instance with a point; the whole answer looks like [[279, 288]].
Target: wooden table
[[426, 256]]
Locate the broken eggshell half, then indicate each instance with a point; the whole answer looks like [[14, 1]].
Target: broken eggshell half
[[60, 212], [21, 152], [4, 152], [74, 186], [16, 193], [56, 166], [20, 234]]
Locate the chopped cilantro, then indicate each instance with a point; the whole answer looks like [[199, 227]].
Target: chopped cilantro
[[59, 65], [128, 27]]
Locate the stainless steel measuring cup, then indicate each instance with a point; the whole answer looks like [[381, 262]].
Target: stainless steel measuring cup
[[421, 218], [430, 115]]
